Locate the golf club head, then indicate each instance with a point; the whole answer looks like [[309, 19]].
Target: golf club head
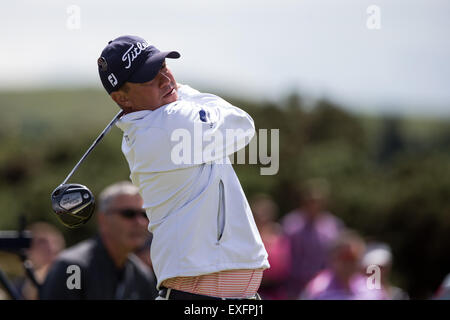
[[73, 204]]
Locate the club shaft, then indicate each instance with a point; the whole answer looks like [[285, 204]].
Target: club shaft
[[100, 137]]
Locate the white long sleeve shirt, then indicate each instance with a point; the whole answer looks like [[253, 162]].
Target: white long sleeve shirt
[[198, 213]]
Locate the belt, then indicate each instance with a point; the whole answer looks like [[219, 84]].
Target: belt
[[172, 294]]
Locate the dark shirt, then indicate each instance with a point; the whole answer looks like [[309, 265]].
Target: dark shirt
[[99, 277]]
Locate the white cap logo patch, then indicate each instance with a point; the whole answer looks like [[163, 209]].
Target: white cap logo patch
[[112, 79]]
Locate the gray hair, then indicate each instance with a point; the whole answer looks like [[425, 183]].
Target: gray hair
[[111, 192]]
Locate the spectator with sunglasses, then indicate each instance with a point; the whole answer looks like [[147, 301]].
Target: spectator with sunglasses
[[105, 265]]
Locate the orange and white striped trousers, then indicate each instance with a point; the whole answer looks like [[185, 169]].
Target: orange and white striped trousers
[[239, 283]]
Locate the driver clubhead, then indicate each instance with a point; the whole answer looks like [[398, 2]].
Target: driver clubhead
[[73, 204]]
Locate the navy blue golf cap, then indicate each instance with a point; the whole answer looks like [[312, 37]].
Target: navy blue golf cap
[[132, 59]]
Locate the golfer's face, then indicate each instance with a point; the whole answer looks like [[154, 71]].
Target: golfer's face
[[128, 232], [155, 93]]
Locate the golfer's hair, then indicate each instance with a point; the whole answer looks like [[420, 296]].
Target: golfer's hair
[[111, 192]]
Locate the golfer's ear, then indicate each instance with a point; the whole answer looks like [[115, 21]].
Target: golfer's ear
[[121, 98]]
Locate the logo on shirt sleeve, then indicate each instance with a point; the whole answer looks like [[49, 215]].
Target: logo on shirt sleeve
[[202, 114], [206, 117]]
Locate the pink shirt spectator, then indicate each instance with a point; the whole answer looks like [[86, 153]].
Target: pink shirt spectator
[[326, 286], [277, 246]]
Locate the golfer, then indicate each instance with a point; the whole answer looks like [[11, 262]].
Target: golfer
[[205, 241]]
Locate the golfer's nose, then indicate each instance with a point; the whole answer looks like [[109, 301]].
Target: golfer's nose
[[163, 79]]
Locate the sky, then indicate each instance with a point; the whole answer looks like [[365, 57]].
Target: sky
[[377, 56]]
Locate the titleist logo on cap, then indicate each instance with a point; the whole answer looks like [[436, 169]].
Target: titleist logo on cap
[[133, 52]]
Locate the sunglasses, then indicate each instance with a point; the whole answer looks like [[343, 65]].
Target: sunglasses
[[131, 213]]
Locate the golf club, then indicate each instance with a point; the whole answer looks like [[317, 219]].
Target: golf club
[[74, 203]]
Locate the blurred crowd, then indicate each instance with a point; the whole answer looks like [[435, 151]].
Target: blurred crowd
[[312, 254], [113, 264]]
